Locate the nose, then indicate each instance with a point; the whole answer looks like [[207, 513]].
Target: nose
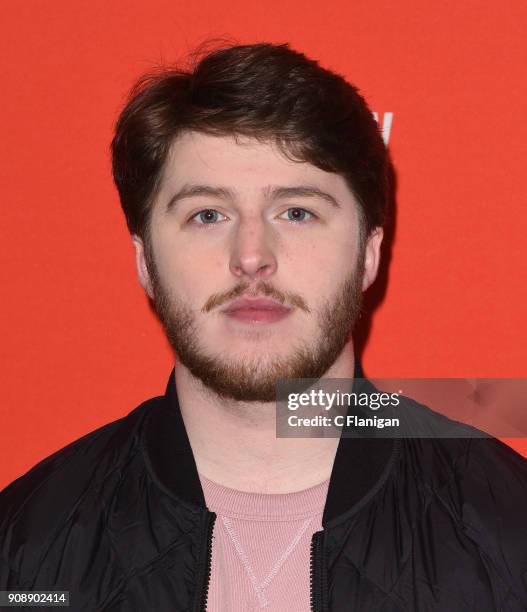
[[252, 253]]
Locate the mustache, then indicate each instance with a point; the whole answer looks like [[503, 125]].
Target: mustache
[[262, 288]]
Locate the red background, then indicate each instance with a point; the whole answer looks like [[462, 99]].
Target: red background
[[80, 346]]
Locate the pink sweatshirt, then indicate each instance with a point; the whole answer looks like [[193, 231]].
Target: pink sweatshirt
[[261, 546]]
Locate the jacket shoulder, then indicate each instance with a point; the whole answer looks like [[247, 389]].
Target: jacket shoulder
[[481, 483], [489, 489], [35, 507], [492, 480], [481, 475]]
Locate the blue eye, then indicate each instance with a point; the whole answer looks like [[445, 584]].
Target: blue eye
[[208, 216], [297, 214]]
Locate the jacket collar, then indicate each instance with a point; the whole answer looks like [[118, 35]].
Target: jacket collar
[[358, 470]]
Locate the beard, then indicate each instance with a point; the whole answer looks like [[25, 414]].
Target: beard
[[255, 381]]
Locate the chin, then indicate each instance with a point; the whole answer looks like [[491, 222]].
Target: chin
[[281, 333]]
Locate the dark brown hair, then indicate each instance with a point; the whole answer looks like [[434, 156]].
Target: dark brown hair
[[265, 91]]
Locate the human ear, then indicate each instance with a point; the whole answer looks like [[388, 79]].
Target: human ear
[[140, 264], [372, 257]]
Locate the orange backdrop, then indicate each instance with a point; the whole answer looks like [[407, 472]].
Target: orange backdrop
[[80, 346]]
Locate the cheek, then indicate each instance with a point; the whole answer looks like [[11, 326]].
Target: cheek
[[193, 277], [187, 262], [320, 262]]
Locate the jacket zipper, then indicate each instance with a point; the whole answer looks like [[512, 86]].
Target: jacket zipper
[[315, 572], [208, 563]]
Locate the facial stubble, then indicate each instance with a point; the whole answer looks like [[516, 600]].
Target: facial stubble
[[245, 380]]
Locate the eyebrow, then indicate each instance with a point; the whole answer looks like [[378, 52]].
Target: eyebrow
[[300, 191], [270, 192], [189, 191]]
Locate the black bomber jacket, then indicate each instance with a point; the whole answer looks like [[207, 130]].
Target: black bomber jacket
[[118, 519]]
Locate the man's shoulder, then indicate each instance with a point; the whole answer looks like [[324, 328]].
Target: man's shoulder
[[491, 477], [480, 484], [110, 444], [445, 452], [35, 506]]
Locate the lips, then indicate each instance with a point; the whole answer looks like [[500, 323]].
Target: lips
[[255, 304], [256, 310]]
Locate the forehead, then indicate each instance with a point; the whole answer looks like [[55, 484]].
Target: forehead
[[241, 163]]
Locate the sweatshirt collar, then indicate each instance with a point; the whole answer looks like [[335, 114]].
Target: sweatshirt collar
[[360, 466]]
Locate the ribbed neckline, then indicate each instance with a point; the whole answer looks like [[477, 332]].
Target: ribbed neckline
[[264, 506]]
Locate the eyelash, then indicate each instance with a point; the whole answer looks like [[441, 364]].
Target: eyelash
[[300, 222]]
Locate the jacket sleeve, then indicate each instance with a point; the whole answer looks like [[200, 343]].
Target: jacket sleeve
[[8, 577], [492, 482], [31, 511]]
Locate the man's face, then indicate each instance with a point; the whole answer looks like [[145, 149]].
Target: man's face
[[253, 264]]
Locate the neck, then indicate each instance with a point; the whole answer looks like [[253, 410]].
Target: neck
[[234, 443]]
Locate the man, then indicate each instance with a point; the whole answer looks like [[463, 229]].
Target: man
[[255, 190]]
